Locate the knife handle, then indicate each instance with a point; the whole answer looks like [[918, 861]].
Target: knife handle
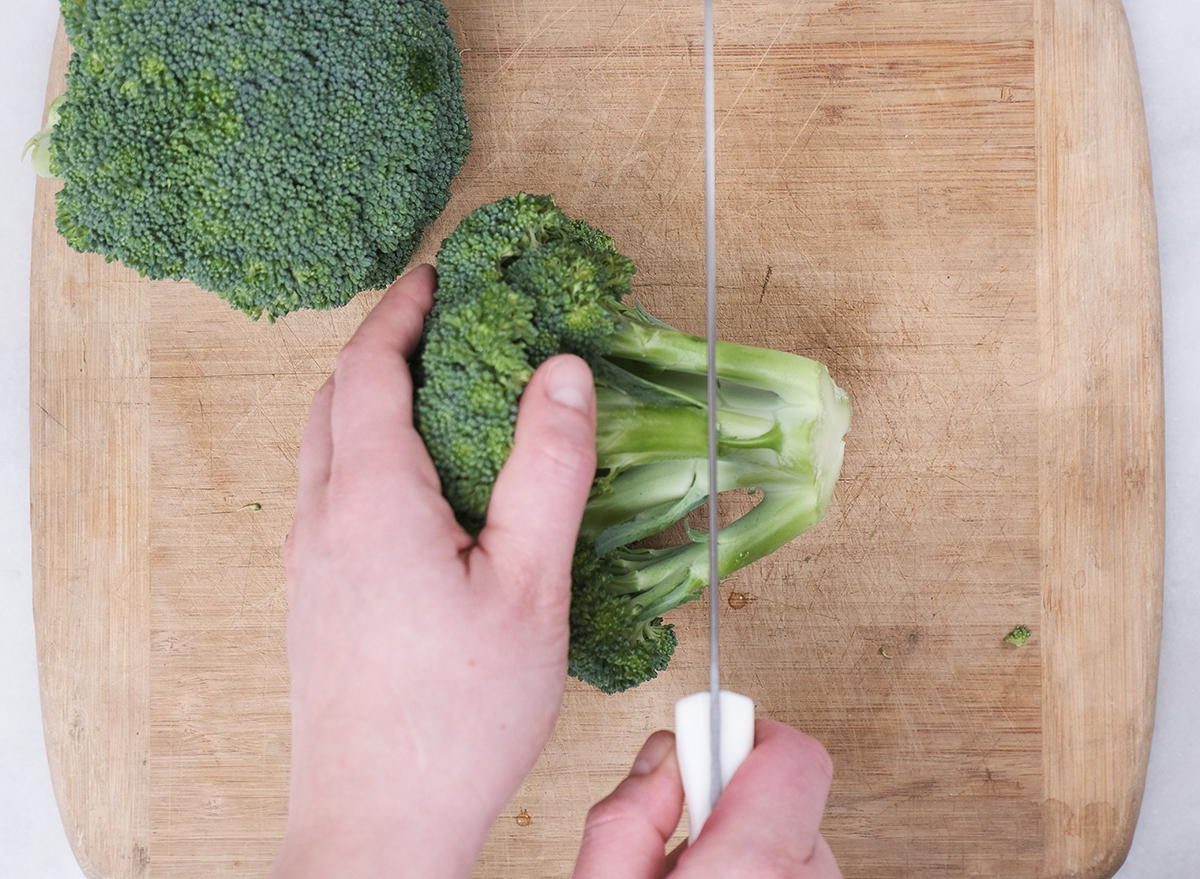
[[693, 727]]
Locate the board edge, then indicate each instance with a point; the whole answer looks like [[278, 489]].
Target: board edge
[[94, 712], [1100, 332]]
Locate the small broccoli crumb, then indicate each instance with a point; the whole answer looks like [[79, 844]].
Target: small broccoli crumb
[[1018, 636]]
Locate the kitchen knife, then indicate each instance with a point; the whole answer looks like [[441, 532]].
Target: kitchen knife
[[714, 729]]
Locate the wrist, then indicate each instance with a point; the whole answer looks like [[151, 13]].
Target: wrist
[[364, 812], [409, 838]]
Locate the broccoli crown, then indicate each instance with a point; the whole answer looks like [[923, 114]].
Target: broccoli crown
[[283, 153], [615, 644], [519, 282]]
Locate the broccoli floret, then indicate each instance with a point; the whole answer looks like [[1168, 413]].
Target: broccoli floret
[[1018, 636], [519, 282], [282, 153]]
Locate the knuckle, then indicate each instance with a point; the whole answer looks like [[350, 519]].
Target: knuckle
[[351, 356], [614, 810], [777, 862], [564, 456], [778, 867], [818, 758], [804, 755]]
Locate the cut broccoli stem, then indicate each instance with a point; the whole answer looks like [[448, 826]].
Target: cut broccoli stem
[[639, 501], [780, 424], [661, 576], [40, 147], [661, 579]]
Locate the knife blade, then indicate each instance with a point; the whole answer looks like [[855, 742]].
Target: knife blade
[[715, 729], [710, 311]]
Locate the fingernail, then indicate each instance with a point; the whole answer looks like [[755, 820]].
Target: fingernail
[[570, 383], [653, 753]]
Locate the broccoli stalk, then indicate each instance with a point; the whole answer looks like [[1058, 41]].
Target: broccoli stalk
[[520, 282], [39, 148], [780, 423]]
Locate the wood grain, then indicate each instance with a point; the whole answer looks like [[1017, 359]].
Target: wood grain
[[1101, 436], [90, 409], [947, 202]]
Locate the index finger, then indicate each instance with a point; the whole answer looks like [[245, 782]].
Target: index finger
[[771, 809], [372, 399]]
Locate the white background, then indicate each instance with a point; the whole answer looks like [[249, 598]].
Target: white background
[[1167, 843]]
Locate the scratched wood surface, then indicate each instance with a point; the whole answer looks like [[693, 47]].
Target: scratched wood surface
[[948, 202]]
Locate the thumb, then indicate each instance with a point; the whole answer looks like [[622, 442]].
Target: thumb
[[538, 499], [626, 833]]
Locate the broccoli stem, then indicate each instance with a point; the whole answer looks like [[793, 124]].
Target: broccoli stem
[[780, 423], [663, 579], [41, 144], [637, 431], [640, 338]]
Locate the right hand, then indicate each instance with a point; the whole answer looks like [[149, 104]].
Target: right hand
[[765, 825]]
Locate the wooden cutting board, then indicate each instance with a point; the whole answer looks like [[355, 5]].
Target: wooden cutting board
[[947, 202]]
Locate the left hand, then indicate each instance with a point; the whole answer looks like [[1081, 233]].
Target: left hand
[[427, 667]]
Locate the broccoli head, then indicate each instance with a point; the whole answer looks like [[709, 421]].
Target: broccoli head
[[518, 282], [283, 153]]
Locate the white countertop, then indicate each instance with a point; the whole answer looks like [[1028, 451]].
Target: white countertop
[[1167, 843]]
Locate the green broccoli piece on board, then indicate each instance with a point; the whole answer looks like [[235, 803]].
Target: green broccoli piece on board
[[284, 154], [518, 282], [1018, 636]]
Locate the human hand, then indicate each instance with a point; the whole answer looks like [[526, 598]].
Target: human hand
[[765, 824], [427, 667]]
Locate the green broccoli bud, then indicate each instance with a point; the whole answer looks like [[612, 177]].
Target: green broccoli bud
[[1018, 636]]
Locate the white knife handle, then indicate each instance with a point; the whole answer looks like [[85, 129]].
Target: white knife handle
[[692, 736]]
